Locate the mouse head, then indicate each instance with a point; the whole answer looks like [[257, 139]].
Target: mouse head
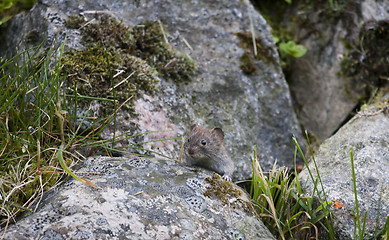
[[203, 143], [218, 132]]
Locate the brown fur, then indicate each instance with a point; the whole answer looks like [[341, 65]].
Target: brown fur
[[205, 148]]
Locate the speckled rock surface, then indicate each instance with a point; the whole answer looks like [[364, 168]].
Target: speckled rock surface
[[368, 136], [142, 199], [252, 109]]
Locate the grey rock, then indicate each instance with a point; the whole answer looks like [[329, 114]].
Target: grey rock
[[367, 134], [324, 98], [253, 109], [142, 199]]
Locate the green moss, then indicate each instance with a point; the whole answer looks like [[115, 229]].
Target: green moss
[[221, 189], [49, 178], [74, 21], [27, 192], [135, 56], [226, 192], [248, 58], [150, 45], [108, 33], [88, 71], [247, 64], [383, 104], [146, 41], [275, 11], [349, 64]]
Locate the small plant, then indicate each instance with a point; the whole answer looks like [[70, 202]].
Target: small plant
[[284, 206], [8, 8], [322, 197], [289, 49], [292, 49], [280, 202], [357, 225], [386, 229]]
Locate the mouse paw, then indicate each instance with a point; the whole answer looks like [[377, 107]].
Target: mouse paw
[[227, 178]]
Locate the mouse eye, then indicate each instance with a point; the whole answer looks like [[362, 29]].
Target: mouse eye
[[188, 139], [203, 142]]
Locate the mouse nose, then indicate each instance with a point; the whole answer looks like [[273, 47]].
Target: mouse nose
[[191, 151]]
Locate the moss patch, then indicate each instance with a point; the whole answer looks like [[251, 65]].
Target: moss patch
[[247, 63], [227, 193], [89, 73], [145, 41], [149, 44], [74, 21], [119, 62], [248, 58]]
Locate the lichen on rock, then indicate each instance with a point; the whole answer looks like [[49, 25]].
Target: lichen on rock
[[139, 198]]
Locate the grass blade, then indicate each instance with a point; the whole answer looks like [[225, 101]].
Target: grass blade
[[68, 171]]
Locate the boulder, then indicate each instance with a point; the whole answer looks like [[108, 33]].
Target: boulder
[[326, 83], [246, 95], [142, 198], [367, 135]]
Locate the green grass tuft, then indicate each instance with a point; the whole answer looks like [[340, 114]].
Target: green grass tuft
[[29, 130], [41, 133], [283, 205], [291, 213]]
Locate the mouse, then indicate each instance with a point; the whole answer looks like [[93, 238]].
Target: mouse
[[205, 148]]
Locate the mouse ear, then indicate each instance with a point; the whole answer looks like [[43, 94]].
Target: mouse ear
[[218, 132], [193, 127]]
